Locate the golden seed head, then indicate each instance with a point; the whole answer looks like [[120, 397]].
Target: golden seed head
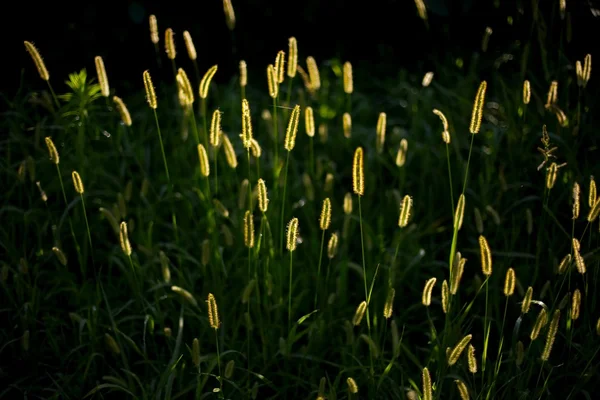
[[292, 129], [389, 304], [471, 360], [229, 152], [552, 96], [352, 386], [204, 162], [458, 266], [458, 349], [229, 14], [427, 78], [185, 87], [248, 230], [579, 73], [405, 211], [54, 157], [477, 114], [272, 81], [102, 78], [77, 182], [153, 29], [576, 201], [189, 45], [486, 256], [509, 282], [358, 172], [426, 298], [347, 125], [462, 389], [255, 148], [164, 266], [401, 155], [540, 322], [196, 352], [263, 200], [243, 74], [332, 246], [459, 213], [124, 239], [292, 234], [576, 244], [348, 204], [592, 196], [247, 134], [313, 74], [111, 344], [564, 264], [292, 57], [587, 70], [445, 297], [150, 93], [551, 173], [123, 111], [325, 219], [575, 304], [527, 300], [381, 126], [359, 313], [205, 82], [348, 81], [60, 255], [442, 118], [526, 92], [170, 44], [309, 121], [279, 66], [552, 330], [185, 294], [213, 312], [215, 129], [427, 390], [37, 59], [594, 211]]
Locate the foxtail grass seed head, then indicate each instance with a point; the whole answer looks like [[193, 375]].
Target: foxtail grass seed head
[[313, 74], [381, 127], [405, 211], [401, 155], [564, 264], [309, 122], [579, 262], [576, 200], [552, 96], [272, 81], [445, 133], [255, 148], [471, 359], [348, 81], [527, 300], [77, 182], [111, 343], [579, 73], [325, 219], [247, 134], [220, 208], [170, 44], [388, 308], [215, 129], [575, 304], [457, 271], [551, 174], [213, 312], [486, 38], [189, 45], [60, 255], [292, 57], [576, 244], [204, 162], [594, 211], [185, 295], [328, 186], [422, 10], [427, 386], [458, 349], [196, 352], [243, 74], [54, 157], [124, 239], [292, 129], [123, 111], [248, 230], [229, 152], [292, 234], [263, 200], [509, 282], [347, 125], [477, 114], [347, 204], [426, 298], [185, 86], [359, 313], [494, 214], [427, 79], [592, 196], [352, 386], [164, 266], [229, 14], [526, 92], [587, 70], [102, 78], [462, 389], [551, 335], [37, 59], [150, 93], [445, 297], [279, 66], [332, 246], [460, 212], [358, 172], [153, 29], [206, 79], [540, 322], [486, 256]]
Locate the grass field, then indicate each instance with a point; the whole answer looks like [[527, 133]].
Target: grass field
[[304, 232]]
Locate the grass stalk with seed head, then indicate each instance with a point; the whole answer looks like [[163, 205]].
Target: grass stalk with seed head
[[79, 188], [324, 222], [41, 67], [290, 142]]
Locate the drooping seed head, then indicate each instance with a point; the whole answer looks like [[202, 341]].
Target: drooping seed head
[[215, 129], [509, 282], [220, 208], [325, 219], [123, 111], [332, 246], [540, 322], [37, 59], [292, 234], [170, 44], [292, 129], [280, 66], [153, 29], [272, 81], [206, 79], [150, 93], [292, 57], [229, 14], [477, 114], [348, 81], [204, 162], [309, 122], [255, 148], [486, 256], [426, 298], [446, 132], [243, 74], [471, 360], [458, 349], [564, 264], [60, 255], [230, 155], [248, 230], [381, 128], [184, 85], [189, 45], [54, 157], [388, 308], [405, 211], [427, 389], [526, 92], [124, 239], [358, 172], [102, 78], [247, 134], [401, 155], [185, 295], [352, 386], [445, 297], [213, 312], [551, 336], [359, 313], [575, 304], [313, 74], [527, 300], [462, 389], [460, 212], [77, 182], [347, 125]]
